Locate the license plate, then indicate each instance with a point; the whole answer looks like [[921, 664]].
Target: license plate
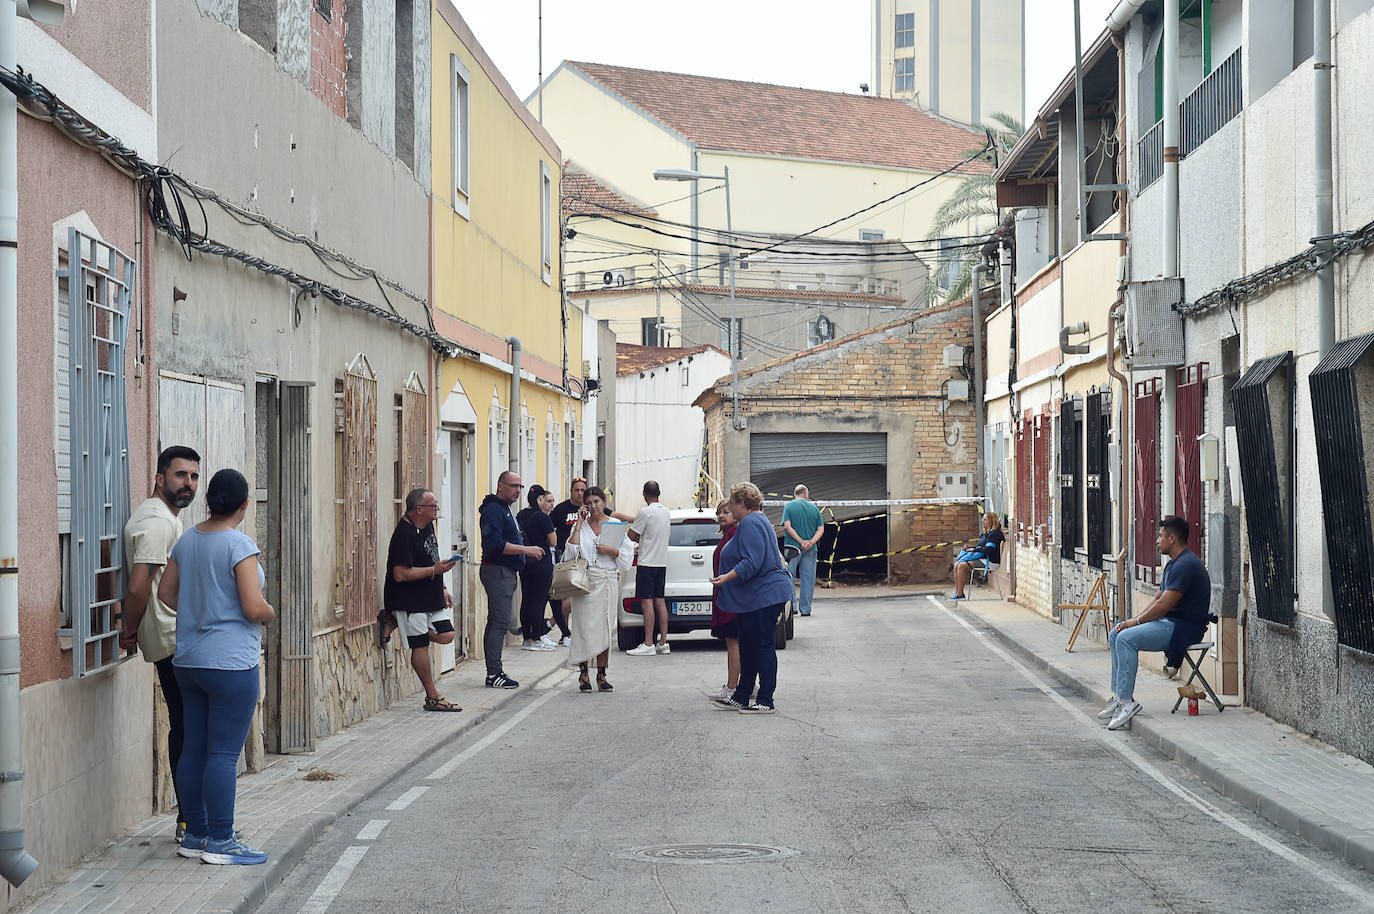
[[692, 609]]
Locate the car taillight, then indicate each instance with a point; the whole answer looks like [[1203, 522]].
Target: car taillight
[[632, 606]]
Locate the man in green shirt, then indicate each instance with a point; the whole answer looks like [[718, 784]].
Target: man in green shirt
[[801, 522]]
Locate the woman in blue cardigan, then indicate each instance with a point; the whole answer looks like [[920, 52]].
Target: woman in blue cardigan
[[756, 588]]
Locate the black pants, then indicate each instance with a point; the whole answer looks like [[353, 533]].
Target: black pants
[[560, 618], [176, 731], [758, 656], [534, 596]]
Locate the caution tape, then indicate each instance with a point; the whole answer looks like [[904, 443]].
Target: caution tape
[[883, 555], [773, 501]]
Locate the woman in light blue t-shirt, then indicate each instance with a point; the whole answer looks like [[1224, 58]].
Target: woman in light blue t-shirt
[[214, 584]]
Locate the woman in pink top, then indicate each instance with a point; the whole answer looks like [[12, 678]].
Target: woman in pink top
[[724, 625]]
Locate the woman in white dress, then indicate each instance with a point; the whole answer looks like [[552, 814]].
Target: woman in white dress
[[593, 616]]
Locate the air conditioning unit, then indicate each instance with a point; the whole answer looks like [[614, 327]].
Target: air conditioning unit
[[1154, 330], [612, 278]]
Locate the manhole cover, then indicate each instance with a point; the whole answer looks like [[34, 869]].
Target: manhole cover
[[708, 853]]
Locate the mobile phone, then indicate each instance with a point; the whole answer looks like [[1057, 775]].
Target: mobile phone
[[455, 557]]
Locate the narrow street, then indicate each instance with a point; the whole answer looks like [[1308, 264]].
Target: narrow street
[[912, 766]]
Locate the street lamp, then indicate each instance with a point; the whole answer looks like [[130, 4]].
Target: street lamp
[[734, 336]]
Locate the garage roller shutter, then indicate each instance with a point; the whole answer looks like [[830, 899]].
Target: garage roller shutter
[[778, 451]]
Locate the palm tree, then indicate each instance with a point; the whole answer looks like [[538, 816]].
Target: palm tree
[[973, 204]]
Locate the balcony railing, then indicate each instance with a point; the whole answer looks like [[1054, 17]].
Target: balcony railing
[[1149, 152], [1211, 105], [1207, 109]]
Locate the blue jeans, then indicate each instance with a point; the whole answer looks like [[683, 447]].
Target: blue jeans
[[1126, 646], [805, 566], [758, 655], [218, 707]]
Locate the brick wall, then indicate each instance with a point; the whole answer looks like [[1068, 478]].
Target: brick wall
[[892, 372], [327, 63]]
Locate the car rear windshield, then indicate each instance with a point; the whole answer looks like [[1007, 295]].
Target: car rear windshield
[[694, 533]]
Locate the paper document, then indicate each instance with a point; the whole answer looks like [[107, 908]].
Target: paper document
[[613, 533]]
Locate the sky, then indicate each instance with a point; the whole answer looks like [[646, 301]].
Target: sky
[[815, 44]]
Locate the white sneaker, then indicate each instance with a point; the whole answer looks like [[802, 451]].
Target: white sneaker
[[723, 693], [529, 646], [1110, 710], [565, 641], [663, 648], [642, 650], [1123, 717], [544, 644]]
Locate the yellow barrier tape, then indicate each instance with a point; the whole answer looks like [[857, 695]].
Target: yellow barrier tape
[[883, 555]]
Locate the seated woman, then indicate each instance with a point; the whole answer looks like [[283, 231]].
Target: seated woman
[[987, 550]]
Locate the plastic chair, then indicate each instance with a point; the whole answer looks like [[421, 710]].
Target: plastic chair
[[986, 569]]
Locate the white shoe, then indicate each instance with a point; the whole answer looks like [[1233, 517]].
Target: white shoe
[[565, 641], [724, 693], [1123, 717], [1110, 710], [546, 645], [663, 648], [529, 646], [642, 650]]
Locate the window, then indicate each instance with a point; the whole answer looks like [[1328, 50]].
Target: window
[[731, 342], [650, 331], [949, 264], [460, 129], [356, 560], [411, 468], [694, 533], [905, 33], [95, 294], [553, 462], [686, 374], [529, 466], [498, 448], [871, 235], [546, 222], [905, 80]]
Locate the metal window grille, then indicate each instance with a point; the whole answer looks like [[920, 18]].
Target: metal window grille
[[1023, 489], [1145, 472], [1345, 440], [1210, 106], [1096, 475], [415, 435], [1068, 476], [1149, 152], [1187, 461], [498, 448], [359, 493], [1040, 478], [1263, 402], [294, 630], [99, 282]]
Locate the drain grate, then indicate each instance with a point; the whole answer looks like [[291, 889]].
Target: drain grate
[[708, 853]]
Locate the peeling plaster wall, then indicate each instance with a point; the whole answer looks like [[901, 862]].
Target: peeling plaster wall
[[293, 38], [379, 73]]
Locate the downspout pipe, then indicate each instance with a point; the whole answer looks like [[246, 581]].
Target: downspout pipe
[[1073, 330], [1325, 220], [1121, 16], [1168, 432], [513, 426], [978, 383], [15, 864], [1116, 328]]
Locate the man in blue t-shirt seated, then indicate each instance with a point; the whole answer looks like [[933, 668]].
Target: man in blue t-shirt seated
[[1176, 619]]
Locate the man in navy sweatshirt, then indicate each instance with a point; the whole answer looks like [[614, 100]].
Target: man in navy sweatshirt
[[503, 555]]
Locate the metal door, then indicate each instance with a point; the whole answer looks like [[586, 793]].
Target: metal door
[[295, 619], [453, 501]]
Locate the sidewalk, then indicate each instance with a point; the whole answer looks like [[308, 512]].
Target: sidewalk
[[1301, 785], [280, 810]]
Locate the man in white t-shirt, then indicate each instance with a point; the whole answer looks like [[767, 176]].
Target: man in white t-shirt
[[151, 532], [650, 529]]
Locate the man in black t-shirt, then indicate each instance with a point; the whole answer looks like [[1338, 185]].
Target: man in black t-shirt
[[565, 514], [414, 590]]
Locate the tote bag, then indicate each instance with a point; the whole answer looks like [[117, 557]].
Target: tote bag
[[570, 579]]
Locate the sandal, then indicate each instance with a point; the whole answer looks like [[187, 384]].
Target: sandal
[[583, 683], [439, 703], [386, 624], [601, 683]]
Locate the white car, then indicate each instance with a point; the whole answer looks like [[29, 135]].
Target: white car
[[693, 536]]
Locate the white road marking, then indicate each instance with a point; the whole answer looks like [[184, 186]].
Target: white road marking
[[334, 880], [405, 799], [373, 830], [452, 764], [1124, 749]]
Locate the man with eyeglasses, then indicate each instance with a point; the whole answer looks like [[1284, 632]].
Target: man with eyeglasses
[[414, 593], [503, 555]]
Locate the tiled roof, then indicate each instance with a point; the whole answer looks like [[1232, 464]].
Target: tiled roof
[[762, 119], [631, 358], [583, 193]]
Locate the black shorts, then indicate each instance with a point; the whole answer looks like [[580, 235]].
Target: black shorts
[[649, 582]]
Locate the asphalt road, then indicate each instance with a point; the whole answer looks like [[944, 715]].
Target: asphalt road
[[909, 768]]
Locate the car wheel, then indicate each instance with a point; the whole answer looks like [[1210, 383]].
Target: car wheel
[[627, 638], [780, 633]]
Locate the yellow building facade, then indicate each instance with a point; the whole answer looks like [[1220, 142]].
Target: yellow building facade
[[496, 279]]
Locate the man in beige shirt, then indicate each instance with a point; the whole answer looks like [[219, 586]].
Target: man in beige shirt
[[149, 536]]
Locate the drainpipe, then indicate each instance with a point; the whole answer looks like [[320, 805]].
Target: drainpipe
[[1167, 431], [513, 426], [1116, 324], [1325, 223], [978, 383], [1073, 330], [1081, 149], [15, 864]]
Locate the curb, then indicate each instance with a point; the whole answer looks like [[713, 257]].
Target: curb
[[303, 832], [1354, 846]]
